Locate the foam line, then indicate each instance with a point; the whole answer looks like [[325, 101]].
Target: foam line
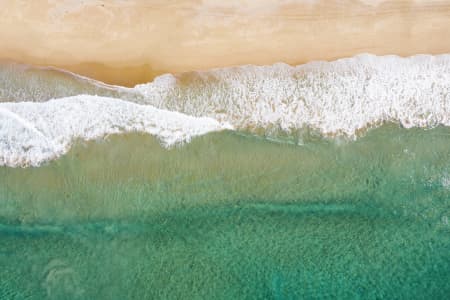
[[32, 133]]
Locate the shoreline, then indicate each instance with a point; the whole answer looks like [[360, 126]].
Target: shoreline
[[127, 43], [131, 75]]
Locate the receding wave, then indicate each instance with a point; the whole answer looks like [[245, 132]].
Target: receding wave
[[38, 84], [340, 98]]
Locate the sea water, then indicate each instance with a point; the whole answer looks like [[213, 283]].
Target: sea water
[[201, 203]]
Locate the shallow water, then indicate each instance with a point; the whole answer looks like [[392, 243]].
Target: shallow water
[[232, 216]]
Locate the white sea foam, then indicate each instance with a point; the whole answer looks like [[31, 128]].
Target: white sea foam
[[340, 97], [343, 97], [32, 133]]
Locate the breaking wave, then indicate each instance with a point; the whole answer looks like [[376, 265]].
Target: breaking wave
[[32, 133]]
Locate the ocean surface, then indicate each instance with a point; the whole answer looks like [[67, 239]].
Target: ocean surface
[[329, 180]]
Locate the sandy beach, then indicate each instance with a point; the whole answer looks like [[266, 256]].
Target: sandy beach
[[128, 42]]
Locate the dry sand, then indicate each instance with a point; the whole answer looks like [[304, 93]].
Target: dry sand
[[130, 41]]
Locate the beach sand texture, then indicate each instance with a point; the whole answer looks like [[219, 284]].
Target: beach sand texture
[[128, 42]]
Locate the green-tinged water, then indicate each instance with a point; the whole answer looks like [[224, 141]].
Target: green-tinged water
[[232, 217]]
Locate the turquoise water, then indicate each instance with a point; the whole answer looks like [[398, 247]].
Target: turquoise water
[[232, 216]]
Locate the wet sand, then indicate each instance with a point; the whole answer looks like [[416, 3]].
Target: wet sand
[[128, 42]]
